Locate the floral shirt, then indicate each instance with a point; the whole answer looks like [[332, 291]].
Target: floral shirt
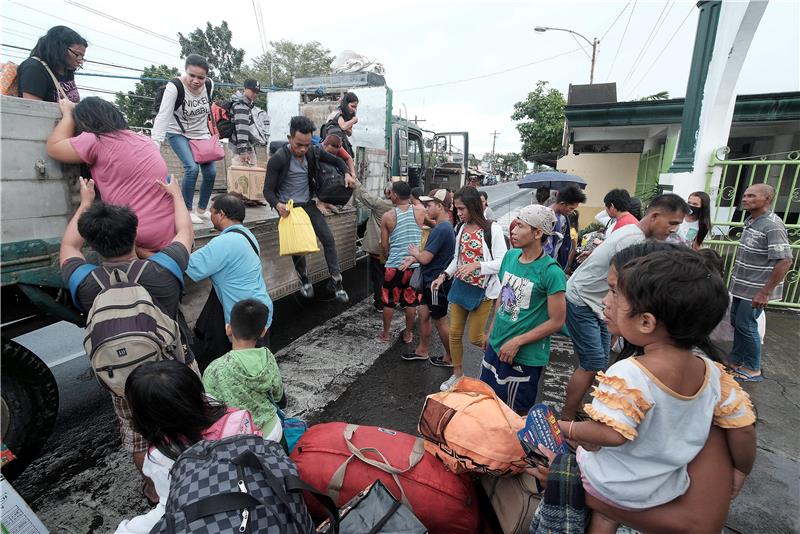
[[470, 250]]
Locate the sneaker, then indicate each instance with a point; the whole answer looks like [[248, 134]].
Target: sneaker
[[205, 215], [449, 383], [195, 218], [439, 361], [411, 356], [306, 288], [341, 294]]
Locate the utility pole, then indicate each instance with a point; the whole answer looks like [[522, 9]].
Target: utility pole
[[494, 135], [594, 55], [593, 43]]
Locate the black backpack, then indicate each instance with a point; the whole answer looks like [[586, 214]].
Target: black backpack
[[238, 484], [159, 96], [331, 188]]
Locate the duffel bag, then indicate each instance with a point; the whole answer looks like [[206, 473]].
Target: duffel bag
[[514, 500], [341, 460], [470, 429], [331, 185]]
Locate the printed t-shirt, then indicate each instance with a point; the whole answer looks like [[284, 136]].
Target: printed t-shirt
[[126, 166], [441, 243], [522, 305], [33, 78], [470, 250]]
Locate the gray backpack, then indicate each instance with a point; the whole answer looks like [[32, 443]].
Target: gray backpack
[[238, 484], [125, 329]]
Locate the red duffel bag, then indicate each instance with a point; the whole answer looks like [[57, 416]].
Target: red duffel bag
[[341, 460]]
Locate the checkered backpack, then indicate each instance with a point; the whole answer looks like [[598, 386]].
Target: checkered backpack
[[238, 484]]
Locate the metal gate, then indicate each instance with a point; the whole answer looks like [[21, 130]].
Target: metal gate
[[726, 182]]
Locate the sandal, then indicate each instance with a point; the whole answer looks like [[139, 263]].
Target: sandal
[[439, 361], [747, 377]]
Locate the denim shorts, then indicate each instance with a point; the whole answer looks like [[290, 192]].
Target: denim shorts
[[590, 337]]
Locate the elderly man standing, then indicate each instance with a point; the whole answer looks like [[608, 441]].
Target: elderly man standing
[[762, 260]]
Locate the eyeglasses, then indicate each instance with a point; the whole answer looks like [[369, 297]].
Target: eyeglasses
[[77, 55], [196, 76]]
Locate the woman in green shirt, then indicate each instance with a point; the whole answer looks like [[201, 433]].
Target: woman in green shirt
[[531, 308]]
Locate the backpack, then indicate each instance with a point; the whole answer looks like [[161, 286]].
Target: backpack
[[259, 126], [8, 79], [331, 185], [222, 118], [238, 484], [125, 329], [159, 96]]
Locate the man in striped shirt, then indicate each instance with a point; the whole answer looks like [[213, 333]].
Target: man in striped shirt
[[242, 118], [763, 258]]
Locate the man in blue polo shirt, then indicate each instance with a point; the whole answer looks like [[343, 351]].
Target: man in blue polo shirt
[[232, 261]]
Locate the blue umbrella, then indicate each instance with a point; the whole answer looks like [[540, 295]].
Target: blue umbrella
[[550, 180]]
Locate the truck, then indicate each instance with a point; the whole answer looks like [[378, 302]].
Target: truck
[[39, 195]]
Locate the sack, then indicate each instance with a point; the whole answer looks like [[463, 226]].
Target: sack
[[341, 460], [470, 429], [221, 118], [295, 232], [159, 96], [466, 295], [331, 185], [237, 484], [8, 79], [375, 511], [207, 150], [514, 500], [125, 329]]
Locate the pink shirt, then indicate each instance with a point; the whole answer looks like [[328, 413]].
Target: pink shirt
[[625, 220], [125, 166]]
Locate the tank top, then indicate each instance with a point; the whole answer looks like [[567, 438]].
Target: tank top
[[406, 232]]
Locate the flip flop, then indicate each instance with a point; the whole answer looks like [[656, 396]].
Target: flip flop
[[438, 361], [411, 356], [746, 377]]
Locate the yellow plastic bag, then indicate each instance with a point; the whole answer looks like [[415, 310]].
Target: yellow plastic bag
[[295, 232]]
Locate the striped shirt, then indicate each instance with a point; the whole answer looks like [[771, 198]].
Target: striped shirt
[[764, 243], [406, 232]]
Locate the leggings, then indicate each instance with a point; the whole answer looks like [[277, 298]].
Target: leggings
[[475, 319]]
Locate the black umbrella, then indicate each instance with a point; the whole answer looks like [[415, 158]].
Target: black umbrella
[[550, 180]]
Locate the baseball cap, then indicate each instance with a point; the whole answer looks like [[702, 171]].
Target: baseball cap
[[441, 195], [538, 216], [255, 85]]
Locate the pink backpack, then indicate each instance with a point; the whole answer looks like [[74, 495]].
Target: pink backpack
[[233, 423]]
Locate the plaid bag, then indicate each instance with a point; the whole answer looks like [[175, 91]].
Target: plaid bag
[[238, 484]]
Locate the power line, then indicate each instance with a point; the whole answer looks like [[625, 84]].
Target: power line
[[583, 46], [615, 20], [86, 60], [490, 74], [650, 38], [622, 40], [110, 92], [123, 22], [653, 64], [260, 26]]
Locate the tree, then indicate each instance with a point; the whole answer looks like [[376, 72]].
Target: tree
[[661, 95], [137, 105], [543, 127], [214, 43], [287, 60]]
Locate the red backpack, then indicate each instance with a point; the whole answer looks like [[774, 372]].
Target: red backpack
[[221, 119]]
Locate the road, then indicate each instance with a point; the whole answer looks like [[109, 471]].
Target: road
[[83, 483]]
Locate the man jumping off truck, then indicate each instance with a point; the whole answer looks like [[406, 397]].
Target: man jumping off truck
[[292, 175]]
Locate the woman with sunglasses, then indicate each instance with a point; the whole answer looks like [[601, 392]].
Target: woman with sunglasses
[[55, 58], [182, 122]]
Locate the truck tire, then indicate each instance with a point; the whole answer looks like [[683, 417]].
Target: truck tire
[[29, 405]]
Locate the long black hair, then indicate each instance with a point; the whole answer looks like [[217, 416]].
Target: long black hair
[[98, 116], [52, 46], [169, 406], [474, 204], [347, 98], [703, 216]]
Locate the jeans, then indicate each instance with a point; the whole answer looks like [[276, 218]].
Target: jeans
[[746, 349], [325, 237], [475, 320], [180, 145], [590, 337]]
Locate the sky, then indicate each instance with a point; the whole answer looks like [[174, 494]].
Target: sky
[[429, 48]]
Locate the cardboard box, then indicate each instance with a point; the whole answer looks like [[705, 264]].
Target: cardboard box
[[247, 180], [17, 517]]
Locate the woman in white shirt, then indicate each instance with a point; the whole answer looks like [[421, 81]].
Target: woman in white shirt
[[180, 122], [696, 226]]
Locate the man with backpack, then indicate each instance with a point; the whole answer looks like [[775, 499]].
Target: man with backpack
[[131, 304], [241, 117]]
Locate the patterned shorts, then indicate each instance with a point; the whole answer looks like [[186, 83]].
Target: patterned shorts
[[397, 288]]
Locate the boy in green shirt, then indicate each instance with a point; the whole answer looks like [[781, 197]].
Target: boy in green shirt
[[248, 377], [530, 309]]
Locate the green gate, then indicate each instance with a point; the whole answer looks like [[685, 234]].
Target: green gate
[[648, 173], [781, 171]]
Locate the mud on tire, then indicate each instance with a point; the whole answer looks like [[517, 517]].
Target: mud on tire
[[29, 405]]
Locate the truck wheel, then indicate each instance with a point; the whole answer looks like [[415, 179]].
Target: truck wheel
[[29, 405]]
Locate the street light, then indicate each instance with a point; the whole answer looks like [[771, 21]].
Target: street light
[[593, 43]]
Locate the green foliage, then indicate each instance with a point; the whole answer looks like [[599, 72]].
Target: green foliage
[[288, 60], [593, 227], [214, 43], [510, 162], [139, 111], [661, 95], [542, 116]]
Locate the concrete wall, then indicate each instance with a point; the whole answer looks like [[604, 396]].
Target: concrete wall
[[602, 173]]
